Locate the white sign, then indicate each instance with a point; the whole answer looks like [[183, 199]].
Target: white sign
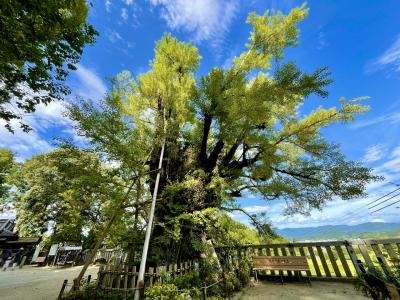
[[36, 254], [53, 250]]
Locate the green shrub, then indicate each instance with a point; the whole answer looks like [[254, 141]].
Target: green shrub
[[243, 274], [188, 281], [372, 283], [91, 292], [164, 292]]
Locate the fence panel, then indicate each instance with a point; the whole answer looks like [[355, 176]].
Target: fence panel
[[333, 259], [119, 278]]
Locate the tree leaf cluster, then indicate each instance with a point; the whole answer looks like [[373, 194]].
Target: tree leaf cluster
[[41, 42]]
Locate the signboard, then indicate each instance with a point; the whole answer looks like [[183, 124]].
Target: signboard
[[36, 254], [53, 250]]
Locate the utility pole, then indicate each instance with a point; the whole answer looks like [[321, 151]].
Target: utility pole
[[140, 284]]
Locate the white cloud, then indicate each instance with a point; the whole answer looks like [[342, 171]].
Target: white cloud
[[113, 36], [208, 20], [338, 211], [391, 118], [90, 84], [128, 2], [124, 14], [22, 143], [322, 43], [374, 153], [50, 120], [390, 58], [391, 55], [256, 209], [107, 4], [46, 122]]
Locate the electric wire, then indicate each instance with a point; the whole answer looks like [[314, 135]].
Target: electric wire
[[384, 201], [385, 206], [384, 196]]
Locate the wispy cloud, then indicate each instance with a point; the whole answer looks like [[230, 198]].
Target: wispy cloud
[[124, 14], [207, 20], [50, 120], [128, 2], [322, 42], [45, 118], [45, 121], [374, 153], [388, 59], [108, 4], [113, 36], [391, 118], [90, 85], [338, 211]]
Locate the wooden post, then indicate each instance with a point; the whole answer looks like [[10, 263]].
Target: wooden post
[[353, 257], [126, 277], [151, 274], [141, 287], [62, 289], [333, 261], [323, 261], [22, 262], [343, 261], [314, 260]]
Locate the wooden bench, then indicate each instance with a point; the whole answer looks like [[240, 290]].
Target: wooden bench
[[40, 260], [281, 263]]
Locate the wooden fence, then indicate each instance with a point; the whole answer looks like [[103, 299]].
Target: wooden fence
[[107, 255], [124, 278], [327, 260]]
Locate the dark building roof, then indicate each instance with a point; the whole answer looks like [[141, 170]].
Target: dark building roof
[[9, 238], [6, 229]]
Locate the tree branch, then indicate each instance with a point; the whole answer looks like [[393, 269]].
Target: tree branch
[[212, 159], [203, 147], [308, 177], [228, 157]]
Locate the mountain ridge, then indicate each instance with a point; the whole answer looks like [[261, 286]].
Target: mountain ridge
[[363, 230]]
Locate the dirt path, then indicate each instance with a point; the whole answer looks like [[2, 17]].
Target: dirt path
[[302, 291], [35, 283]]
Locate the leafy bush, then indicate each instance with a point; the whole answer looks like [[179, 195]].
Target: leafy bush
[[91, 292], [372, 283], [189, 280], [164, 292]]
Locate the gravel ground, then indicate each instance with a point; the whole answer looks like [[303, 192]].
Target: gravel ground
[[302, 291], [37, 283]]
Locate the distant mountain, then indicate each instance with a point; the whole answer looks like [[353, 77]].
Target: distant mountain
[[330, 232]]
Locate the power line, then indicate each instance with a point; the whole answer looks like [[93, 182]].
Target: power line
[[384, 196], [386, 206], [384, 201], [361, 211]]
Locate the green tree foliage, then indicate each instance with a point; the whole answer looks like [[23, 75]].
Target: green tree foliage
[[67, 190], [40, 41], [229, 132], [224, 231], [7, 163]]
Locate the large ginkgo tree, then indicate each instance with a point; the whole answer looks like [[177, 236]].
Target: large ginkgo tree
[[229, 132]]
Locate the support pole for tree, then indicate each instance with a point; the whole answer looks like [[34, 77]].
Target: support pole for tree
[[142, 268], [77, 281]]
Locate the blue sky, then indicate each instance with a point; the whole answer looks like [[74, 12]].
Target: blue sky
[[358, 40]]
